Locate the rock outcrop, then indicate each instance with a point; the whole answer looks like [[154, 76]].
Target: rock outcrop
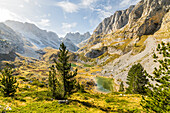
[[94, 53], [15, 40], [7, 52], [145, 18], [112, 23], [26, 39], [70, 45], [147, 15], [5, 47], [131, 36], [77, 38], [34, 36]]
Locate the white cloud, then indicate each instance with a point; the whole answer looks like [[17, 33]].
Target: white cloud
[[27, 1], [103, 14], [66, 27], [108, 7], [125, 3], [68, 6], [37, 4], [8, 15], [21, 6], [85, 17], [44, 23], [88, 2]]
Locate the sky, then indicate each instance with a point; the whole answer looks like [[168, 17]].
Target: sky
[[62, 16]]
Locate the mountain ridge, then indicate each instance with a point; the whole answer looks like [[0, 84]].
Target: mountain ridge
[[147, 25], [77, 37], [26, 38]]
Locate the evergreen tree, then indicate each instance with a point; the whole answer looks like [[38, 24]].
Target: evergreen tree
[[136, 79], [121, 88], [8, 82], [64, 69], [80, 87], [158, 99], [54, 83]]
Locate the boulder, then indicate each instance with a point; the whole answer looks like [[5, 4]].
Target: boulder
[[63, 101]]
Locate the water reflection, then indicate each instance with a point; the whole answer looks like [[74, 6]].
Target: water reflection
[[105, 84]]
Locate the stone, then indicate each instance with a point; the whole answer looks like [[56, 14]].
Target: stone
[[63, 101], [94, 53], [5, 47], [8, 108], [112, 23]]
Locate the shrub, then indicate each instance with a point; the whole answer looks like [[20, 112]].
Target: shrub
[[136, 79], [110, 100], [159, 94], [121, 88], [8, 82]]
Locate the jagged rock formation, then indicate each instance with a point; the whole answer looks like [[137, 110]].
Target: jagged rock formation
[[145, 18], [70, 45], [6, 51], [149, 14], [34, 36], [142, 19], [95, 53], [83, 43], [27, 38], [112, 23], [15, 40], [77, 38], [131, 36], [5, 47]]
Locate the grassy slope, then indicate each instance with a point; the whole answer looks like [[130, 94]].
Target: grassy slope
[[79, 102], [30, 98]]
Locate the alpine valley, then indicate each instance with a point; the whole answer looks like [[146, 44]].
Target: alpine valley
[[103, 59]]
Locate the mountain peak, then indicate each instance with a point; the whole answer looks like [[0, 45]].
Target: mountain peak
[[77, 37]]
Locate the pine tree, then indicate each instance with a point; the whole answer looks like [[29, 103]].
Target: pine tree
[[121, 88], [64, 69], [54, 83], [158, 99], [8, 82], [136, 79]]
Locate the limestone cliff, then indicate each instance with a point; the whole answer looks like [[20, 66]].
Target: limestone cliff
[[130, 36], [7, 52], [77, 38], [145, 18], [8, 34], [142, 19]]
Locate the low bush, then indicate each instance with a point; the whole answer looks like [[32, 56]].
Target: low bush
[[110, 100]]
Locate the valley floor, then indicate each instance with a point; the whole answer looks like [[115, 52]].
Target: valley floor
[[39, 102], [32, 95]]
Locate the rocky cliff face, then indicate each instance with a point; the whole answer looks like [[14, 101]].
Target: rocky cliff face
[[70, 45], [142, 19], [7, 52], [35, 36], [5, 47], [27, 38], [77, 38], [112, 23], [148, 15], [131, 36], [15, 40]]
